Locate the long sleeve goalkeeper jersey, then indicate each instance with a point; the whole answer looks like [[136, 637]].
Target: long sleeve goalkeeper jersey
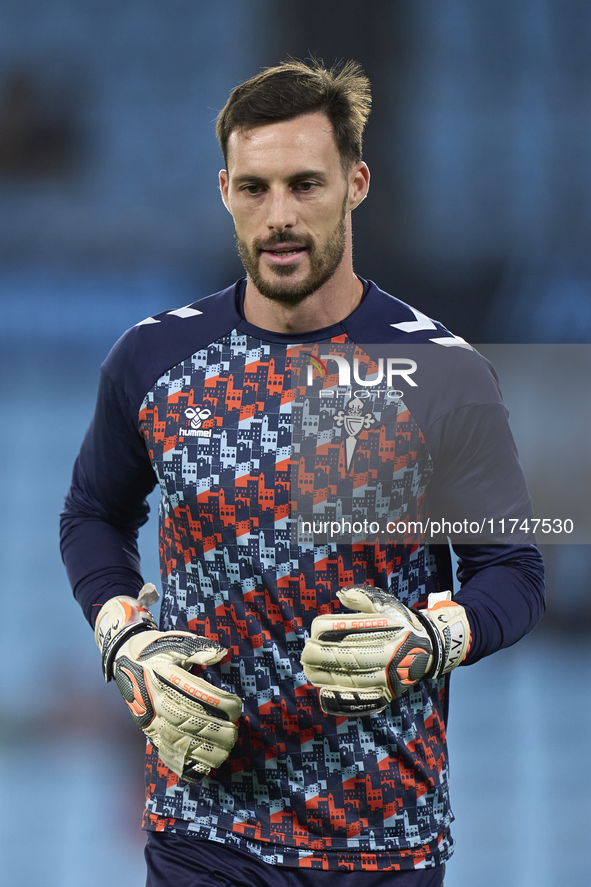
[[291, 466]]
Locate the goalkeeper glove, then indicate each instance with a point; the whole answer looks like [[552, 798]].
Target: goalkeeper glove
[[188, 720], [361, 661]]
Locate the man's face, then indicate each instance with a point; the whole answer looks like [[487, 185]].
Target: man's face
[[289, 197]]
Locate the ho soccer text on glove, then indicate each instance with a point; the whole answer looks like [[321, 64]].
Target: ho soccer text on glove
[[188, 720], [363, 660]]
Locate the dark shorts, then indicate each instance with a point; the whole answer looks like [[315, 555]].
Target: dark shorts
[[178, 861]]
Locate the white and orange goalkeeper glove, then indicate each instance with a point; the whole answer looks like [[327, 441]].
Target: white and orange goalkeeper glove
[[363, 660], [188, 720]]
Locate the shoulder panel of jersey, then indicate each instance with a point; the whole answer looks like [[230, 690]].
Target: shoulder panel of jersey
[[449, 372], [146, 351], [454, 396]]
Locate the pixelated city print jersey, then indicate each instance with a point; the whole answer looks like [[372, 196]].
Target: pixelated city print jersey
[[242, 448]]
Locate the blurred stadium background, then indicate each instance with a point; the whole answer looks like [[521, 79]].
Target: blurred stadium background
[[479, 214]]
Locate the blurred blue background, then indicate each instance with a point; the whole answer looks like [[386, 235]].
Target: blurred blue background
[[479, 215]]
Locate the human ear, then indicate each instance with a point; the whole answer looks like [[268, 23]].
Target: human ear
[[224, 186], [358, 184]]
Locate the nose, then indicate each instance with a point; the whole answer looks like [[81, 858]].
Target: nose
[[281, 213]]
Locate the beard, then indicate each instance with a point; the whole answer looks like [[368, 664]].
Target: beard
[[324, 260]]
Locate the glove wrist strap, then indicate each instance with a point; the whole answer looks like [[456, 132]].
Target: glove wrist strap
[[112, 648], [119, 620], [449, 630], [438, 650]]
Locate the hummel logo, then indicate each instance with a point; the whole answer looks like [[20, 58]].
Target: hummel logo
[[197, 417]]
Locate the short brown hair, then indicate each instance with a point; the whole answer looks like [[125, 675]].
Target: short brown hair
[[293, 88]]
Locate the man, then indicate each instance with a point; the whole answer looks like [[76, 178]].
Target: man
[[295, 694]]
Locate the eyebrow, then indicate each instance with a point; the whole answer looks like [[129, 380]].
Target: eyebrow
[[298, 176]]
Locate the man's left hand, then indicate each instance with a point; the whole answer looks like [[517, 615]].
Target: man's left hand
[[361, 661]]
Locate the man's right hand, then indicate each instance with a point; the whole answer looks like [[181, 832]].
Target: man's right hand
[[188, 719]]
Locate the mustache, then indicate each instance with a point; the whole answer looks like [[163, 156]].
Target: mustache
[[280, 238]]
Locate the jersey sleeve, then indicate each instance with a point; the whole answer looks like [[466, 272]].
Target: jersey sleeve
[[502, 592], [480, 491], [106, 503], [113, 475]]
